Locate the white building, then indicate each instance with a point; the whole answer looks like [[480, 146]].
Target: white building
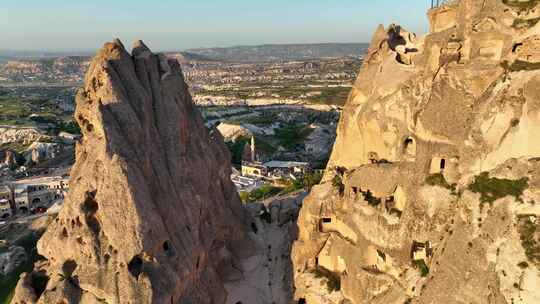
[[38, 192], [5, 202], [285, 168], [5, 209]]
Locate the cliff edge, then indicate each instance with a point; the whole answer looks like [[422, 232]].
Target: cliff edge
[[432, 191]]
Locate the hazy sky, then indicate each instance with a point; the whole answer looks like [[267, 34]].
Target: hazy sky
[[181, 24]]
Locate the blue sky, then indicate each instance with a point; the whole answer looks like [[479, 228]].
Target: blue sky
[[180, 24]]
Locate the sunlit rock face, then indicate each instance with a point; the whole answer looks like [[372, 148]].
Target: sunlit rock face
[[431, 194], [151, 215]]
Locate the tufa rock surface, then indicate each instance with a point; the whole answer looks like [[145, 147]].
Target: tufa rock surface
[[432, 192], [151, 216]]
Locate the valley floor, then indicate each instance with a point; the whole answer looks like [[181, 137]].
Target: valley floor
[[267, 276]]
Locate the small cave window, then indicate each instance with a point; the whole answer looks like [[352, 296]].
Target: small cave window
[[90, 205], [516, 47], [302, 301], [68, 268], [135, 266], [326, 220], [409, 146], [355, 190], [443, 164], [382, 255], [166, 246], [254, 227], [372, 200], [39, 282]]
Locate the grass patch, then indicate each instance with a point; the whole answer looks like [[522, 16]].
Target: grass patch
[[237, 150], [438, 179], [292, 135], [18, 147], [519, 65], [262, 193], [337, 183], [333, 281], [28, 241], [332, 96], [68, 126], [422, 266], [258, 120], [264, 145], [525, 23], [529, 232], [307, 182], [492, 189], [521, 5], [14, 107], [16, 110], [289, 186]]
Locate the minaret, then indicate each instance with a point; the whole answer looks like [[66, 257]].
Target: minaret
[[252, 148]]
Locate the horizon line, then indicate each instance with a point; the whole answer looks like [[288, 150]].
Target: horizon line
[[48, 51]]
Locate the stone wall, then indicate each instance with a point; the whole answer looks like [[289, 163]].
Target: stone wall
[[442, 18]]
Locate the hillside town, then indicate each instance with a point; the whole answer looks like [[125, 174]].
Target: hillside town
[[211, 81], [288, 102], [31, 195]]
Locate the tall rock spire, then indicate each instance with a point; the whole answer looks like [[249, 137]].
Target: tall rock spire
[[151, 216], [432, 192]]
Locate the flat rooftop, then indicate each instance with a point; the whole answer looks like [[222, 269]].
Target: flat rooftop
[[285, 164], [38, 180]]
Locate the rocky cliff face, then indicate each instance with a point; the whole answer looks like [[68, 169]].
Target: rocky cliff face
[[151, 216], [433, 188]]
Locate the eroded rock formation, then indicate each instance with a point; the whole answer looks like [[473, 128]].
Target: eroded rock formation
[[433, 188], [151, 215]]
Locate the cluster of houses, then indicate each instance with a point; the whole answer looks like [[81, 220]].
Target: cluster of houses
[[255, 172], [275, 169], [32, 194]]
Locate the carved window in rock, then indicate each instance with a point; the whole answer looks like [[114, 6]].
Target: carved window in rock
[[324, 221], [409, 147], [373, 157], [443, 164]]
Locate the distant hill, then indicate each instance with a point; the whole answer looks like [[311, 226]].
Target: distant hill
[[185, 57], [15, 54], [254, 53], [282, 52]]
